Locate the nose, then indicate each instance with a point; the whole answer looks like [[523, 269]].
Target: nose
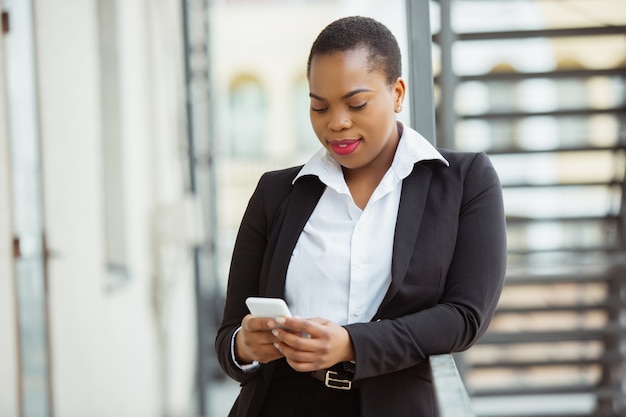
[[339, 121]]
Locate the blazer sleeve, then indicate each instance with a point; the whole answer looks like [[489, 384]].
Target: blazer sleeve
[[243, 278], [471, 287], [250, 257]]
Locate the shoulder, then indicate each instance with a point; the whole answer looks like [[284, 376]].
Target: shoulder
[[464, 159], [282, 178], [274, 187], [463, 164], [466, 171], [474, 173]]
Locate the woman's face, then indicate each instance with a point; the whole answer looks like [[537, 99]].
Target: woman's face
[[353, 109]]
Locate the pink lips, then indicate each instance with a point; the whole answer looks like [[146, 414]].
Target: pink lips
[[345, 146]]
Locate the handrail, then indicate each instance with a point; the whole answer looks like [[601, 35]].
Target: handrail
[[539, 33], [452, 397]]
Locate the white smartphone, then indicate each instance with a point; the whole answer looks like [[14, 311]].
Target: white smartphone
[[267, 307], [271, 308]]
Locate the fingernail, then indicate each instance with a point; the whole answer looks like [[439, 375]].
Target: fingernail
[[280, 320], [275, 332], [276, 346]]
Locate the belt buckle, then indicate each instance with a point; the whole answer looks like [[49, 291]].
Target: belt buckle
[[337, 383]]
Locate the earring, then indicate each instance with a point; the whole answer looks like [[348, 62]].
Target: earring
[[399, 108]]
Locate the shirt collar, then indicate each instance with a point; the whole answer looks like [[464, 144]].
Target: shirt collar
[[412, 148]]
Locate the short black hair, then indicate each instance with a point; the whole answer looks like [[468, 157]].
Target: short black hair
[[354, 32]]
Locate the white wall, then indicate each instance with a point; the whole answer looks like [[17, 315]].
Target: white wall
[[106, 351], [8, 331]]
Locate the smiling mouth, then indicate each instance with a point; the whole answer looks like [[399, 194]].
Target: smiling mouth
[[344, 147]]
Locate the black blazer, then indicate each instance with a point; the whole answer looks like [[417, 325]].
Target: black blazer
[[448, 267]]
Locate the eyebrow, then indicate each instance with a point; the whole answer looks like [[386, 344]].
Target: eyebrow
[[345, 96]]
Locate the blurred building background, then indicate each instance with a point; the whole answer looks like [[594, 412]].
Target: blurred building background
[[132, 134]]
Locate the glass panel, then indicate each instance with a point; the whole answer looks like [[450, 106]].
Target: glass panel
[[26, 164]]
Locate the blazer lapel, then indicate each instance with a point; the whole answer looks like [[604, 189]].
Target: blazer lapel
[[305, 195], [410, 213]]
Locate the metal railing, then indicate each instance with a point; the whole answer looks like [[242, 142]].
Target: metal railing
[[452, 397]]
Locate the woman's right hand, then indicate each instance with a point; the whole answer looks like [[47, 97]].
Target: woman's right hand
[[255, 341]]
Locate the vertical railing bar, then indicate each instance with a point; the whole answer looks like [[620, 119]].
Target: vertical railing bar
[[447, 80], [420, 78]]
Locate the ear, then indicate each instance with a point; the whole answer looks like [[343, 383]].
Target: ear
[[399, 91]]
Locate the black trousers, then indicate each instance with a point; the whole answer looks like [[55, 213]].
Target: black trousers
[[295, 394]]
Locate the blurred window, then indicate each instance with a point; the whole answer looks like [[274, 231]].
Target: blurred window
[[248, 117]]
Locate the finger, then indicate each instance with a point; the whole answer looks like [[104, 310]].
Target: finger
[[255, 324], [258, 346], [305, 362], [300, 325], [296, 354], [269, 354], [245, 322], [295, 340], [262, 338], [320, 320]]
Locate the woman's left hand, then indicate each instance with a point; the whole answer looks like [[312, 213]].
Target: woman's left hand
[[313, 343]]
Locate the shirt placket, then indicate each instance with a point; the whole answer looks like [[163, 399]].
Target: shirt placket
[[358, 270]]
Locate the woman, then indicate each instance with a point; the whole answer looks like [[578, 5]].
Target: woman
[[391, 250]]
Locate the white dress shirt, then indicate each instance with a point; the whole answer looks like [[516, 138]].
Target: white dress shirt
[[340, 268]]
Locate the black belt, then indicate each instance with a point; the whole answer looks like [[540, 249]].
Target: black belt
[[335, 378]]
